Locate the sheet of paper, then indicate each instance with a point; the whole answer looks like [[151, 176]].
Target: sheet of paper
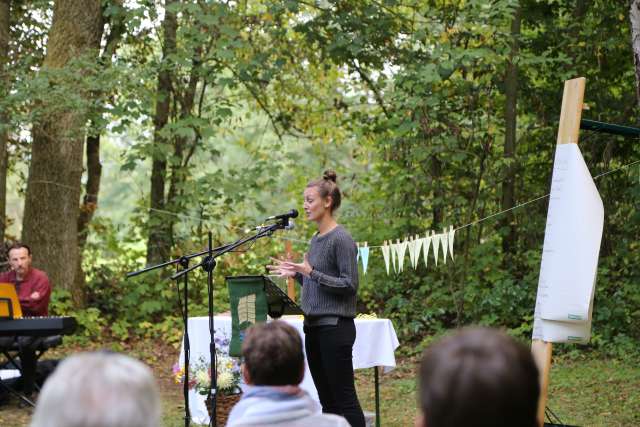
[[570, 252], [563, 332]]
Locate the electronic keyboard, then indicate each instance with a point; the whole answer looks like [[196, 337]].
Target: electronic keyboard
[[38, 326]]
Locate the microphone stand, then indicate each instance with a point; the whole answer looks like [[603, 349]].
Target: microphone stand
[[208, 264], [183, 263]]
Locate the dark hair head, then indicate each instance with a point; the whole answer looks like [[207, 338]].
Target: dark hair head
[[273, 354], [18, 245], [478, 377], [328, 187]]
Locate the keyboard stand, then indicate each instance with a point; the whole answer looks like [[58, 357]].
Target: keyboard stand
[[17, 394], [12, 361], [33, 350]]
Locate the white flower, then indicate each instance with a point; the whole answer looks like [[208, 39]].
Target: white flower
[[203, 377], [225, 380]]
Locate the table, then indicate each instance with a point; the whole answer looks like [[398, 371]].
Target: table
[[374, 347]]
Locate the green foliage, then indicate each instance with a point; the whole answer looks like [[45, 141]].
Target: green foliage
[[404, 99]]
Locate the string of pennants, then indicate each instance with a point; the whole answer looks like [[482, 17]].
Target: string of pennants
[[394, 254]]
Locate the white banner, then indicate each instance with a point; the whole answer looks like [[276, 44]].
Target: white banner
[[570, 252]]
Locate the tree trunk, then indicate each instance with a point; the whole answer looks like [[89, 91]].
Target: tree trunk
[[87, 210], [94, 167], [634, 17], [161, 229], [4, 90], [510, 118], [50, 223]]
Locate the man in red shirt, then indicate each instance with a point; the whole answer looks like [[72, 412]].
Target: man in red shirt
[[34, 292], [32, 285]]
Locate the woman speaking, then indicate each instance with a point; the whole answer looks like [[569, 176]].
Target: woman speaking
[[329, 278]]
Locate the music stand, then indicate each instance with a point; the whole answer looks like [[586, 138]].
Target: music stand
[[278, 302], [9, 302]]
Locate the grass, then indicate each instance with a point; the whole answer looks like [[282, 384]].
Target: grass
[[585, 391]]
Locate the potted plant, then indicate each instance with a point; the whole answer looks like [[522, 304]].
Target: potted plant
[[228, 380]]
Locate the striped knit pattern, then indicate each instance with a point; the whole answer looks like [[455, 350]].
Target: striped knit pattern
[[331, 289]]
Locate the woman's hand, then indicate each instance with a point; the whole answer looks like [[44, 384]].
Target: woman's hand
[[289, 269], [278, 270]]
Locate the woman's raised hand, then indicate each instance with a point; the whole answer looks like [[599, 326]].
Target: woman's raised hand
[[279, 270], [289, 269]]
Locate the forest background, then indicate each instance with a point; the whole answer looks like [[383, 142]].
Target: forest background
[[129, 129]]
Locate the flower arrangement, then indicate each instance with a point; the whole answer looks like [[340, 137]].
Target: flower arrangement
[[227, 369]]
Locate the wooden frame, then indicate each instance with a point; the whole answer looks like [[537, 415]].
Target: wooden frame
[[568, 133]]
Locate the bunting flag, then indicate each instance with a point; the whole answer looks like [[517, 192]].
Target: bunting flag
[[385, 255], [418, 247], [394, 257], [412, 250], [363, 252], [426, 242], [415, 243], [394, 253], [402, 249], [452, 232], [435, 240], [444, 237]]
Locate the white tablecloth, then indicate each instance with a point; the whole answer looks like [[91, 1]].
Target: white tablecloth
[[375, 344]]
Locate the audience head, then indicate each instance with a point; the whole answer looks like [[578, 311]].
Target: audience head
[[273, 355], [99, 390], [478, 377], [19, 256]]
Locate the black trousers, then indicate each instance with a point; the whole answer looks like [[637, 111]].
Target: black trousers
[[329, 354]]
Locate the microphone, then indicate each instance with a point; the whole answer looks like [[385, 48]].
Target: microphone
[[291, 214], [289, 226]]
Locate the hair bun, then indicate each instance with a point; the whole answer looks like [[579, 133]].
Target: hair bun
[[330, 175]]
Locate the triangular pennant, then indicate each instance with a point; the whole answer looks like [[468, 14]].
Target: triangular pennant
[[412, 251], [418, 246], [435, 244], [452, 232], [385, 255], [364, 255], [426, 242], [402, 249], [394, 257], [445, 246]]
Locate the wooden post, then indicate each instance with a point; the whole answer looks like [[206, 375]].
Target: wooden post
[[291, 285], [568, 132]]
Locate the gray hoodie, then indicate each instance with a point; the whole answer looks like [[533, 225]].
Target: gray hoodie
[[287, 406]]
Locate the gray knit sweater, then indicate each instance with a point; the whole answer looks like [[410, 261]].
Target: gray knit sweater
[[331, 289]]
